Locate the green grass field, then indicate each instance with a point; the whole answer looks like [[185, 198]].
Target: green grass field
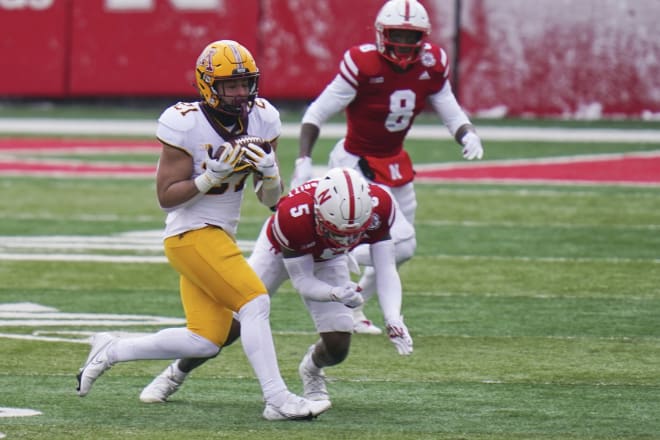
[[535, 312]]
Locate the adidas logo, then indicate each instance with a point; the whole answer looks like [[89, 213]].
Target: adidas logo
[[425, 75]]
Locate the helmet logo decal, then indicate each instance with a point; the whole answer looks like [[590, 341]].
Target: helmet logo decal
[[407, 11], [206, 60], [323, 196]]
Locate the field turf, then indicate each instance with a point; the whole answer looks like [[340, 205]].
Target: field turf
[[534, 308]]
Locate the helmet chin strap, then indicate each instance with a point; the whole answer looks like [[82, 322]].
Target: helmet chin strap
[[401, 62], [245, 110]]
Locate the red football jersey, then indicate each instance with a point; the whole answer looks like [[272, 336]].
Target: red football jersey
[[387, 101], [293, 226]]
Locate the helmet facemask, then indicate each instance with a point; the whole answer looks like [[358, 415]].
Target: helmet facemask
[[336, 238], [234, 104], [402, 46]]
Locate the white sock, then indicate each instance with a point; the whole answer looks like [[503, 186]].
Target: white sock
[[311, 366], [257, 341], [179, 375], [170, 343]]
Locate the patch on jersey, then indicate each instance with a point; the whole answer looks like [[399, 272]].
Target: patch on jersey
[[376, 80], [375, 222], [428, 59]]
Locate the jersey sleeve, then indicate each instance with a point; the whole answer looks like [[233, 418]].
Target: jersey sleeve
[[293, 224], [334, 98], [267, 120], [174, 124], [383, 214]]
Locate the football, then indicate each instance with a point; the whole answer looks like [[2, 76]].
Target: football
[[247, 139], [240, 142]]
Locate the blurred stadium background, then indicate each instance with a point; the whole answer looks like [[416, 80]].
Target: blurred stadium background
[[575, 59]]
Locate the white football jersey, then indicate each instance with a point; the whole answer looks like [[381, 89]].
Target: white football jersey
[[184, 126]]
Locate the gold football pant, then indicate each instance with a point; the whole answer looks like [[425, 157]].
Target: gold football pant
[[215, 280]]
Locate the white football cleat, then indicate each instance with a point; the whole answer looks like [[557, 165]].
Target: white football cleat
[[163, 385], [313, 379], [366, 327], [362, 324], [296, 408], [96, 364]]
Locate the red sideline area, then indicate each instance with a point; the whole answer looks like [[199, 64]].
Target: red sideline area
[[608, 169], [618, 169], [16, 157], [25, 145]]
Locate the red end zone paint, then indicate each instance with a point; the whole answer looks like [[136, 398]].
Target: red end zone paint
[[18, 159], [25, 145], [615, 169], [610, 169], [23, 168]]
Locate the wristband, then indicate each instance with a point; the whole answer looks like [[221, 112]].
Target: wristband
[[203, 183]]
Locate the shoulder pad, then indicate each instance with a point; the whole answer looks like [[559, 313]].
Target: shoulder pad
[[178, 117], [267, 111], [366, 59], [265, 120], [435, 59]]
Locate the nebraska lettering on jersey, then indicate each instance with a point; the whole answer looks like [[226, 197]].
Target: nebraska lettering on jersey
[[387, 101], [293, 225]]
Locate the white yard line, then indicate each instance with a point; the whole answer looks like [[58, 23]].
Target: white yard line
[[335, 130]]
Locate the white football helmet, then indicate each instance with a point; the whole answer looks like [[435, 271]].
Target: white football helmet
[[342, 205], [402, 15]]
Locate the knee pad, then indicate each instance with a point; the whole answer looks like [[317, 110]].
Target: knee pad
[[258, 308]]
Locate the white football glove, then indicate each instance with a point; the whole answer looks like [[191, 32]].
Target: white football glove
[[264, 163], [218, 169], [348, 295], [302, 171], [398, 334], [472, 148]]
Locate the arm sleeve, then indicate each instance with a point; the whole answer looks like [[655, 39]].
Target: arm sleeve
[[334, 98], [388, 283], [301, 273], [445, 105]]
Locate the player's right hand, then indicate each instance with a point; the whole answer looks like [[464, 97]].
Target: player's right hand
[[347, 295], [302, 171], [222, 166], [218, 168], [472, 148]]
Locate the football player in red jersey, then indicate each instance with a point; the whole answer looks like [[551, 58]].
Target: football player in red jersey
[[382, 87], [307, 240]]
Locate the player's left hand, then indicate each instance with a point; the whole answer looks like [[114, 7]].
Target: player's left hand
[[472, 148], [263, 162], [348, 295], [398, 334]]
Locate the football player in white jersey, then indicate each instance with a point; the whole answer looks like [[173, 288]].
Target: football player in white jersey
[[307, 240], [382, 87], [199, 183]]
